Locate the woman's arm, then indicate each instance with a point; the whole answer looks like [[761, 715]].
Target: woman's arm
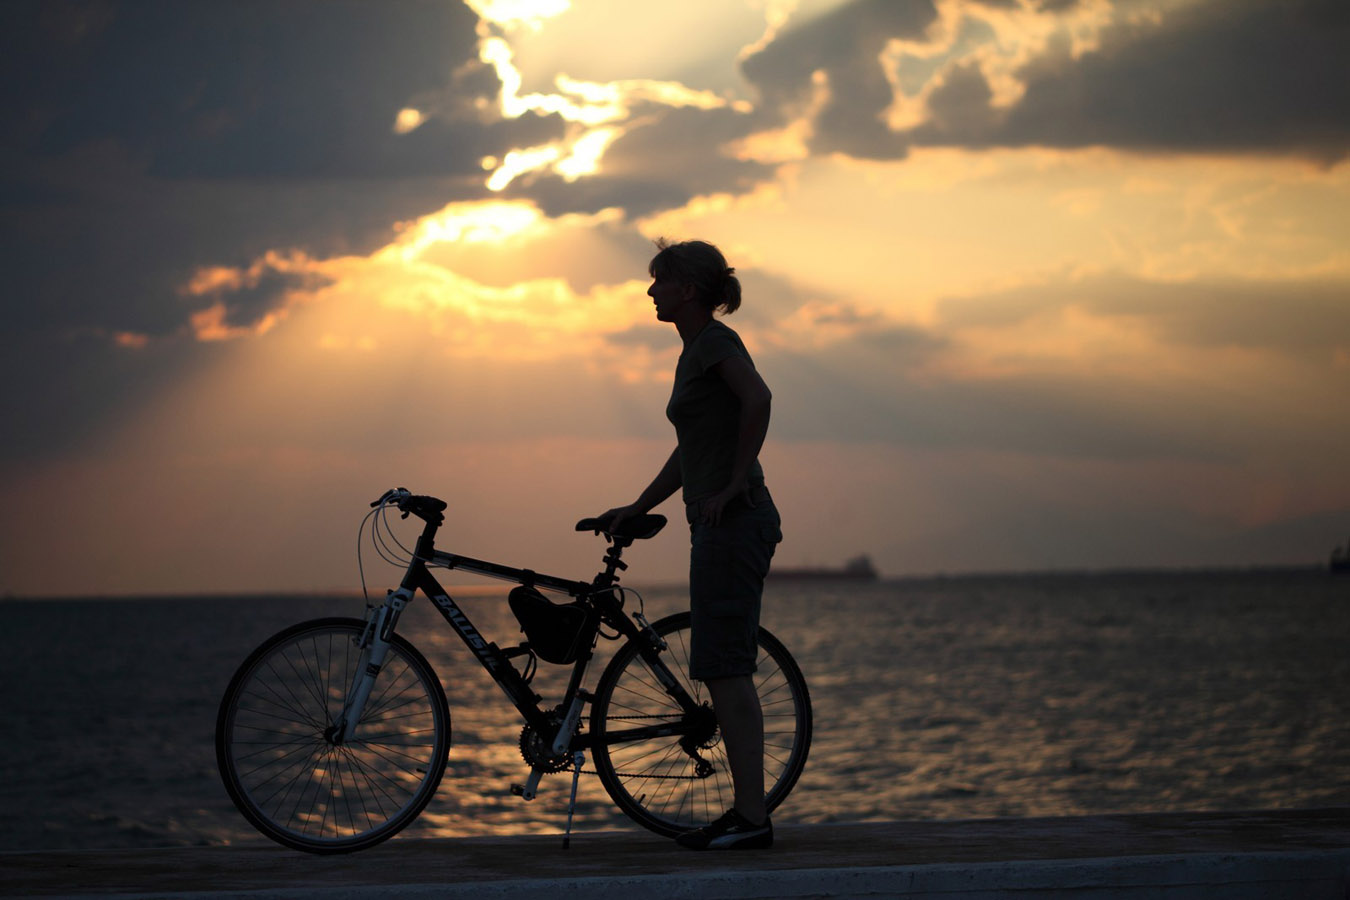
[[666, 482], [755, 399]]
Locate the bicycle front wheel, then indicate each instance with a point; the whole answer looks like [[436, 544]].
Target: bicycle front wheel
[[297, 781], [669, 787]]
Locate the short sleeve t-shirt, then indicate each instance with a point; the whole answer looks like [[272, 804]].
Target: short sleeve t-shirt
[[706, 414]]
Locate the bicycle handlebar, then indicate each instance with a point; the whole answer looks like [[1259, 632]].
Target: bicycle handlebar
[[424, 507], [429, 508]]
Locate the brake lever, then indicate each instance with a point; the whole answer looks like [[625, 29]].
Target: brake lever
[[384, 498]]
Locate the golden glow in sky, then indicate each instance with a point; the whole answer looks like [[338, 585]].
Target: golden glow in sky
[[923, 245]]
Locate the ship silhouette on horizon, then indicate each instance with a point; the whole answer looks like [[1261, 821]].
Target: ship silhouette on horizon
[[859, 568], [1340, 559]]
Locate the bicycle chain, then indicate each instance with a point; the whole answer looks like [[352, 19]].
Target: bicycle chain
[[637, 774], [644, 777]]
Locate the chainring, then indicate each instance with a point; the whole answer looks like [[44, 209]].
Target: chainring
[[537, 750]]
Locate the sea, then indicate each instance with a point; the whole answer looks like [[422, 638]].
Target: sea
[[936, 698]]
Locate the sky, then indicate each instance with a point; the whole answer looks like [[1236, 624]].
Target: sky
[[1036, 284]]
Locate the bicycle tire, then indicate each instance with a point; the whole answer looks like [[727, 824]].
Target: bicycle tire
[[298, 787], [653, 781]]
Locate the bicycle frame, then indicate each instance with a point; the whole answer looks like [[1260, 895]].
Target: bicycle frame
[[599, 593]]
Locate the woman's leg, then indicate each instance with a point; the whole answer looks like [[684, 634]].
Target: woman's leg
[[741, 721]]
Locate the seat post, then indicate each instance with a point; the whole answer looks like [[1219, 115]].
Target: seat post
[[613, 560]]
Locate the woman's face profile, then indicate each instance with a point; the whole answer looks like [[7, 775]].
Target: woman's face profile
[[668, 295]]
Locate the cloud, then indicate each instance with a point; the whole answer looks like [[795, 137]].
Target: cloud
[[144, 140], [664, 158], [251, 301], [656, 338], [1215, 76], [585, 250], [1103, 368], [846, 45], [1301, 319], [299, 89], [1087, 415], [1218, 76]]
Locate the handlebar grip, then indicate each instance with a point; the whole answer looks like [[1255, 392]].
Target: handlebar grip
[[420, 505]]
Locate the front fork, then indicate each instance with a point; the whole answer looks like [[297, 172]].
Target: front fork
[[374, 645]]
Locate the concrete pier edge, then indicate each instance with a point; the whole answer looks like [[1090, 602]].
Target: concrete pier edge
[[1302, 875], [1254, 855]]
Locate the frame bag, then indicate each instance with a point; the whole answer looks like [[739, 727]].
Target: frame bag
[[553, 631]]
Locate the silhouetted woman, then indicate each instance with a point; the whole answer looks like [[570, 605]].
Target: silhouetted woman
[[720, 409]]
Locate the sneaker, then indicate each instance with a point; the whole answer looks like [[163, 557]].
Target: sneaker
[[731, 832]]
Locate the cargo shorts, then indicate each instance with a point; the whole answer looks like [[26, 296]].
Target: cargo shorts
[[727, 566]]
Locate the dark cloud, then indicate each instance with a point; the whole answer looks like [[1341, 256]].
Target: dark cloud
[[1230, 76], [146, 139], [1236, 76], [960, 106], [845, 44], [108, 247], [1305, 318], [250, 303], [669, 156], [855, 394], [900, 343], [1225, 75], [894, 395], [251, 89], [656, 338]]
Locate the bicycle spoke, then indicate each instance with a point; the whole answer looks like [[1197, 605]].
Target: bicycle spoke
[[278, 705], [386, 683], [294, 704], [375, 781]]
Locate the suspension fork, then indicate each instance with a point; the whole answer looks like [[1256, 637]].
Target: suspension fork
[[374, 645]]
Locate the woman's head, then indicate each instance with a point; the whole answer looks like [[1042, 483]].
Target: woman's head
[[702, 265]]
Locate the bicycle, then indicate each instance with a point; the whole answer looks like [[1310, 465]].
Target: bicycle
[[333, 735]]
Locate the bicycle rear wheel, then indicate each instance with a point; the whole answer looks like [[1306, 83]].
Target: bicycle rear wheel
[[287, 774], [656, 781]]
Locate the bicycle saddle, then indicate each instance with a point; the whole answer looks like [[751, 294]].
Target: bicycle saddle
[[636, 528]]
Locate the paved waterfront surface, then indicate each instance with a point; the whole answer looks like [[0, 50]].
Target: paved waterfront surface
[[1107, 848]]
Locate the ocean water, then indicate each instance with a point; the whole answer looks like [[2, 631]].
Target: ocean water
[[934, 699]]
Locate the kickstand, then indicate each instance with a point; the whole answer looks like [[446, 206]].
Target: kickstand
[[578, 761]]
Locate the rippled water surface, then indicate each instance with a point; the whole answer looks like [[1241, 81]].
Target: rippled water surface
[[954, 698]]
